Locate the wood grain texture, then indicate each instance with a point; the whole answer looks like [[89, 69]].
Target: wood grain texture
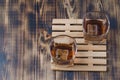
[[25, 26], [117, 38]]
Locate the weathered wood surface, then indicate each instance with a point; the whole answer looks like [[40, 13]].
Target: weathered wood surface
[[25, 27]]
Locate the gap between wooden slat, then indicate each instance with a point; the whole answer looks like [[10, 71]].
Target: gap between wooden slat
[[93, 54], [89, 61], [63, 21], [79, 25]]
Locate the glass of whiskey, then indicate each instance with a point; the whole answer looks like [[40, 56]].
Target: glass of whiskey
[[63, 49], [96, 26]]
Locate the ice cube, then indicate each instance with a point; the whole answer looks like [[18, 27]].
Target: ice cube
[[61, 54]]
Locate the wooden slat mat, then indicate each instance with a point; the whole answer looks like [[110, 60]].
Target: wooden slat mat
[[89, 57]]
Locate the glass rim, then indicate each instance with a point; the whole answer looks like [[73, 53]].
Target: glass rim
[[64, 36], [99, 12]]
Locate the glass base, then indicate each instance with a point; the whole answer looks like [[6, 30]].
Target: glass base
[[96, 42], [63, 63]]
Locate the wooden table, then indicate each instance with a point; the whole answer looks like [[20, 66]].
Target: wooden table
[[25, 28]]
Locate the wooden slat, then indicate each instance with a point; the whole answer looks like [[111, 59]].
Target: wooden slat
[[63, 27], [79, 68], [93, 54], [73, 34], [89, 61], [94, 47], [81, 40], [63, 21]]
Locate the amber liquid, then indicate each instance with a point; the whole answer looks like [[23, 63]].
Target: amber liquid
[[94, 29], [62, 53]]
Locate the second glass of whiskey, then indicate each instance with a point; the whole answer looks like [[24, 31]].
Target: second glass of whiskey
[[95, 26]]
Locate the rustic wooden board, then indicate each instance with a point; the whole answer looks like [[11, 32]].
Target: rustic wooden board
[[89, 57], [21, 20]]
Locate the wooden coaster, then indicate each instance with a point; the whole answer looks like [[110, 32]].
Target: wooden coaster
[[89, 57]]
